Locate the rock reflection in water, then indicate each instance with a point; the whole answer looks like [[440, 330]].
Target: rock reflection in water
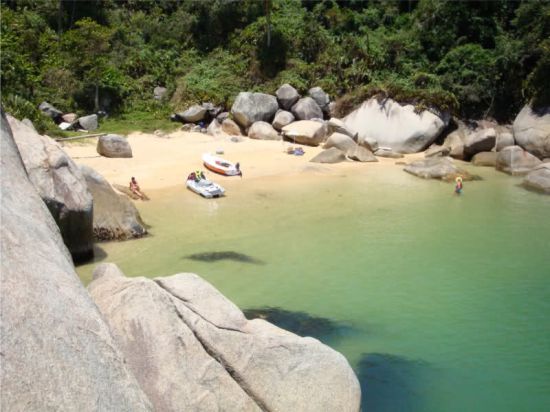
[[225, 255], [302, 323], [391, 383]]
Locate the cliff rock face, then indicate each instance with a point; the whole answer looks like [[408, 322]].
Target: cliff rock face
[[395, 126], [189, 345], [60, 185], [57, 352]]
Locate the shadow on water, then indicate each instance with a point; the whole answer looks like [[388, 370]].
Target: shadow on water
[[302, 323], [391, 383], [224, 255]]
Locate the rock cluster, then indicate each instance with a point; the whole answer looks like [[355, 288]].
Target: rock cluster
[[69, 121]]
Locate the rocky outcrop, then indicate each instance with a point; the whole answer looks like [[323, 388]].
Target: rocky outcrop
[[538, 179], [516, 161], [193, 114], [305, 132], [89, 122], [340, 141], [287, 96], [115, 216], [455, 141], [482, 140], [337, 126], [263, 131], [396, 126], [532, 131], [231, 128], [387, 152], [57, 351], [485, 159], [188, 345], [441, 168], [254, 107], [58, 181], [504, 139], [437, 150], [332, 155], [307, 109], [361, 154], [51, 111], [113, 145], [282, 118], [321, 98]]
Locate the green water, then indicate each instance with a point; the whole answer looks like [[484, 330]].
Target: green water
[[439, 302]]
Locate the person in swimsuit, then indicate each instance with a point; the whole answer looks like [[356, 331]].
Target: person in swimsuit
[[134, 187], [458, 187]]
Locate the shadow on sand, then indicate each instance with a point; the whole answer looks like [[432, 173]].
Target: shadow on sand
[[302, 323], [224, 255], [392, 383]]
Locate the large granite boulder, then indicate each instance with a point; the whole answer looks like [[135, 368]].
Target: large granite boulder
[[307, 109], [89, 122], [115, 216], [254, 107], [51, 111], [361, 154], [441, 168], [321, 98], [437, 150], [485, 159], [263, 131], [306, 132], [396, 126], [231, 128], [282, 118], [194, 114], [57, 352], [516, 161], [287, 96], [189, 345], [538, 179], [337, 126], [482, 140], [340, 141], [532, 131], [113, 145], [214, 128], [332, 155], [455, 141], [504, 139], [58, 181]]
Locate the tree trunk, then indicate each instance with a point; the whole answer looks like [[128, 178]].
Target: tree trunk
[[96, 98], [267, 7]]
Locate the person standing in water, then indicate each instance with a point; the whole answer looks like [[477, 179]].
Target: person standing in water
[[458, 187]]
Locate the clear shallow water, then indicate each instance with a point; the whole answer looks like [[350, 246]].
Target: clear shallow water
[[440, 303]]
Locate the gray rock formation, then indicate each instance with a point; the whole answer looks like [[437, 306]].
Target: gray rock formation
[[58, 181], [231, 128], [50, 111], [437, 150], [538, 179], [287, 96], [332, 155], [189, 345], [89, 122], [532, 131], [396, 126], [211, 111], [29, 123], [455, 141], [263, 131], [222, 116], [337, 126], [441, 168], [361, 154], [485, 159], [194, 114], [282, 118], [386, 152], [321, 98], [307, 109], [113, 145], [482, 140], [254, 107], [516, 161], [115, 216], [340, 141], [159, 92], [504, 139], [57, 351], [306, 132], [214, 128]]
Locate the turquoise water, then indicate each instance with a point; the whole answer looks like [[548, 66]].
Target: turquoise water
[[439, 302]]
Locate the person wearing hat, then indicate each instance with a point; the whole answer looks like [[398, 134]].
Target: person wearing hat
[[458, 187]]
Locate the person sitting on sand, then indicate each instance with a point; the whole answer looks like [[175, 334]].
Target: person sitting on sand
[[458, 187], [134, 187]]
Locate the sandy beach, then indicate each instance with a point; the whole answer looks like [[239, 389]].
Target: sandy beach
[[163, 162]]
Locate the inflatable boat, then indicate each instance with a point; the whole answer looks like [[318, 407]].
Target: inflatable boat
[[204, 187]]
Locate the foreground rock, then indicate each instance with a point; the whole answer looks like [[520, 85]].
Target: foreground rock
[[485, 159], [441, 168], [263, 131], [332, 155], [287, 96], [532, 131], [113, 145], [254, 107], [538, 179], [307, 109], [188, 345], [396, 126], [60, 184], [516, 161], [115, 216], [306, 132], [57, 351]]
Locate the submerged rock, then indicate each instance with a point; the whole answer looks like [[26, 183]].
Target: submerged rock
[[516, 161], [57, 352], [223, 361], [441, 168], [224, 255], [538, 179]]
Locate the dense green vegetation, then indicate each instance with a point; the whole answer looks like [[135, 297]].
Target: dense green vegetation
[[474, 58]]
